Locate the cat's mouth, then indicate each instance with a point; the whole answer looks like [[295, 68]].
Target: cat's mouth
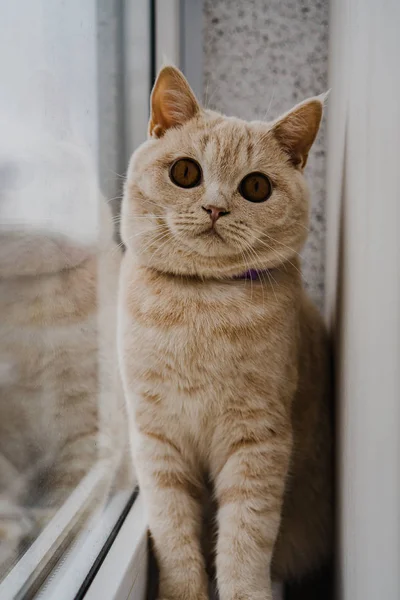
[[211, 233], [203, 238], [208, 242]]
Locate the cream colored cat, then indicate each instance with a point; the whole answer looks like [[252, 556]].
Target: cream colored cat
[[224, 358], [60, 400]]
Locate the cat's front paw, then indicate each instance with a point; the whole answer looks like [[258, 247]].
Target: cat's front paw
[[187, 595], [195, 597], [183, 588], [249, 594]]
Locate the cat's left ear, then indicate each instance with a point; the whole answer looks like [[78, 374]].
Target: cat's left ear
[[172, 102], [297, 129]]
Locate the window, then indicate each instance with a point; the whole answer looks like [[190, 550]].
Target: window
[[66, 481]]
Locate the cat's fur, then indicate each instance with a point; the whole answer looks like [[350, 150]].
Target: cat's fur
[[226, 378], [60, 398]]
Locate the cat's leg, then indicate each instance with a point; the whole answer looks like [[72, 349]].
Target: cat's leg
[[249, 488], [172, 497]]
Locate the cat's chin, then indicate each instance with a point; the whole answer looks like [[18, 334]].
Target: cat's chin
[[208, 244], [198, 266]]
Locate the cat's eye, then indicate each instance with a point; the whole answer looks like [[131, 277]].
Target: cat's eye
[[185, 172], [255, 187]]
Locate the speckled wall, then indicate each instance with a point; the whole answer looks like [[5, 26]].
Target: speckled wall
[[260, 58]]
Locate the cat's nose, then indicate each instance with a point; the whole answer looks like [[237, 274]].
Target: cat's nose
[[215, 212]]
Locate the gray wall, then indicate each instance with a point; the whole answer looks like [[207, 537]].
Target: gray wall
[[260, 58]]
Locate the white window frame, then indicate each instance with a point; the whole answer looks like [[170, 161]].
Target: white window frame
[[123, 574]]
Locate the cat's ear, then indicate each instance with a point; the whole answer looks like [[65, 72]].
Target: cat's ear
[[297, 129], [172, 102]]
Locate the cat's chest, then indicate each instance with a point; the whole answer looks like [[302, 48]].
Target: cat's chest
[[193, 340], [191, 352]]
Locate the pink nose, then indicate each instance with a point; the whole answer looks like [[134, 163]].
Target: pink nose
[[215, 212]]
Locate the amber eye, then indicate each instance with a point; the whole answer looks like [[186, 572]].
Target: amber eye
[[255, 187], [185, 172]]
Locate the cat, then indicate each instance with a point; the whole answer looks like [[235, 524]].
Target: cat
[[61, 400], [224, 359]]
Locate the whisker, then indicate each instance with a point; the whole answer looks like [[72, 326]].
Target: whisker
[[207, 106], [269, 247], [254, 253], [117, 247], [148, 216], [261, 275], [117, 174], [270, 102], [244, 262], [131, 237], [282, 244], [160, 247], [111, 199], [269, 275], [284, 259], [155, 240], [248, 265], [261, 280], [153, 230], [267, 272], [206, 93], [155, 203]]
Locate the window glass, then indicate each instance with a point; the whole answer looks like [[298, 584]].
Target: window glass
[[64, 444]]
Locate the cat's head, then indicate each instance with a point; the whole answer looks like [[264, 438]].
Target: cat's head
[[214, 196]]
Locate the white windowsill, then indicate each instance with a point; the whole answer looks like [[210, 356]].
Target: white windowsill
[[123, 574], [66, 580], [36, 559], [124, 569]]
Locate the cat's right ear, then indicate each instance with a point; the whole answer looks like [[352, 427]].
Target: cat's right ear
[[172, 102], [297, 129]]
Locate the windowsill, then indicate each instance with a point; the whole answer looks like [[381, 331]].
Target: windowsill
[[56, 567], [37, 561], [123, 574]]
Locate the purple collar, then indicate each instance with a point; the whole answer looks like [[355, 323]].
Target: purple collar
[[253, 274]]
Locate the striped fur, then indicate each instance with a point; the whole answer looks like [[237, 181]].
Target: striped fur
[[226, 379]]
